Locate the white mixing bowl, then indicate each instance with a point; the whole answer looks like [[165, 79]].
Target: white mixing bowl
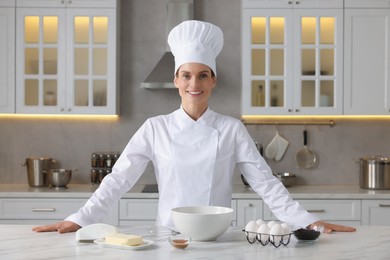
[[202, 223]]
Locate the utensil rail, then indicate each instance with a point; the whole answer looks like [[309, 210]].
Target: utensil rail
[[330, 123]]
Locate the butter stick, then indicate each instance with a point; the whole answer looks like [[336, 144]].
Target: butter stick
[[124, 239]]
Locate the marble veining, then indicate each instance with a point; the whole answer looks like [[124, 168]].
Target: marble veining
[[19, 242]]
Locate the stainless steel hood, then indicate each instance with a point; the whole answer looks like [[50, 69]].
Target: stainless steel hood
[[162, 74]]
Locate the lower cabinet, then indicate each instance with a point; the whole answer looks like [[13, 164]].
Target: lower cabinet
[[134, 212], [376, 212], [141, 212], [248, 210], [37, 211], [346, 212]]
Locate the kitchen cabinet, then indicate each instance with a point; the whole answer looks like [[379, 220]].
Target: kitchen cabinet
[[293, 3], [376, 212], [67, 57], [345, 212], [292, 57], [135, 212], [248, 210], [68, 3], [366, 3], [367, 56], [44, 210], [7, 54]]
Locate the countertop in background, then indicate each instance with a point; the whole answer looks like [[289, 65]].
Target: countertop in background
[[239, 192]]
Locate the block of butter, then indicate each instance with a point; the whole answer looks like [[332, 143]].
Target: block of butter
[[124, 239]]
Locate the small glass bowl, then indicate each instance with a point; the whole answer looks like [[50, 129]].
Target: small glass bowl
[[179, 241]]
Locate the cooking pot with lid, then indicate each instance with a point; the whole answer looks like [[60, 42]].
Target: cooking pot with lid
[[375, 173]]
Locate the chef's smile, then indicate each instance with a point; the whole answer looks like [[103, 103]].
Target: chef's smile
[[194, 93]]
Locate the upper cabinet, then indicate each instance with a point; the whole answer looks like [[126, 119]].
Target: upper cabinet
[[292, 57], [66, 57], [7, 54], [312, 4], [367, 57]]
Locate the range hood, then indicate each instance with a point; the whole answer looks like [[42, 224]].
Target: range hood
[[162, 75]]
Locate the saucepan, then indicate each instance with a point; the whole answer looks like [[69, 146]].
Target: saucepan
[[305, 157]]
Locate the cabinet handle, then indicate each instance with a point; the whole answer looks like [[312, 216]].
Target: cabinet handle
[[250, 205], [62, 109], [296, 110], [290, 2], [62, 2], [316, 211], [384, 205], [69, 109], [43, 209], [297, 2], [70, 2], [289, 110]]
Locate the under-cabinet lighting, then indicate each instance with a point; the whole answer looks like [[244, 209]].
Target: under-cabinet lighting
[[61, 117], [313, 118]]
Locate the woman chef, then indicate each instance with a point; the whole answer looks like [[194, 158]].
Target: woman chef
[[194, 150]]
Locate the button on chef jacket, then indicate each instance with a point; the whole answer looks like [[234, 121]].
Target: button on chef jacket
[[194, 163]]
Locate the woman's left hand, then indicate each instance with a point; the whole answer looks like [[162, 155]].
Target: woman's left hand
[[329, 227]]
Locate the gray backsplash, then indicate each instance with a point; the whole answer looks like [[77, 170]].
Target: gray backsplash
[[71, 141]]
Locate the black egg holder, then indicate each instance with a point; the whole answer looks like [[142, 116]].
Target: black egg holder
[[265, 239]]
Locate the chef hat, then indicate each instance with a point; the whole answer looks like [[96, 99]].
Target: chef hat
[[195, 41]]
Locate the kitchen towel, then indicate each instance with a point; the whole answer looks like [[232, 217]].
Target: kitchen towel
[[276, 148]]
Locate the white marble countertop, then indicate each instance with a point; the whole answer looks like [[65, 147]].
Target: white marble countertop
[[19, 242], [239, 192]]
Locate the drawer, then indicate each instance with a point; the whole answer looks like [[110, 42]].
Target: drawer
[[146, 209], [332, 210], [138, 209], [39, 208], [376, 213]]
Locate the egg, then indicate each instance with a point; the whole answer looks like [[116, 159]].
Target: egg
[[271, 223], [276, 233], [251, 227], [286, 228], [264, 231], [259, 222]]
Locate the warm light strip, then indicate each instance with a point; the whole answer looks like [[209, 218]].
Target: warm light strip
[[61, 117], [326, 119]]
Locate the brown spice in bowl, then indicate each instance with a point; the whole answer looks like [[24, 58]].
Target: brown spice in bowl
[[180, 243]]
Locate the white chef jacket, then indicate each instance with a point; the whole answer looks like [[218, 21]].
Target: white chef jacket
[[194, 163]]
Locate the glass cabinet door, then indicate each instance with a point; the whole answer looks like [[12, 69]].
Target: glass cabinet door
[[269, 38], [90, 60], [292, 61], [318, 56], [38, 76], [66, 61]]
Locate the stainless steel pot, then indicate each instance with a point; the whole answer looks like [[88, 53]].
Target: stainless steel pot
[[36, 170], [375, 173]]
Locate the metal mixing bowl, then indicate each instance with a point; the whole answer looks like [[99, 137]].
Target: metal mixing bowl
[[59, 178], [288, 179]]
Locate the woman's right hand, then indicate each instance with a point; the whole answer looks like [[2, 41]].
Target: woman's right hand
[[60, 227]]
